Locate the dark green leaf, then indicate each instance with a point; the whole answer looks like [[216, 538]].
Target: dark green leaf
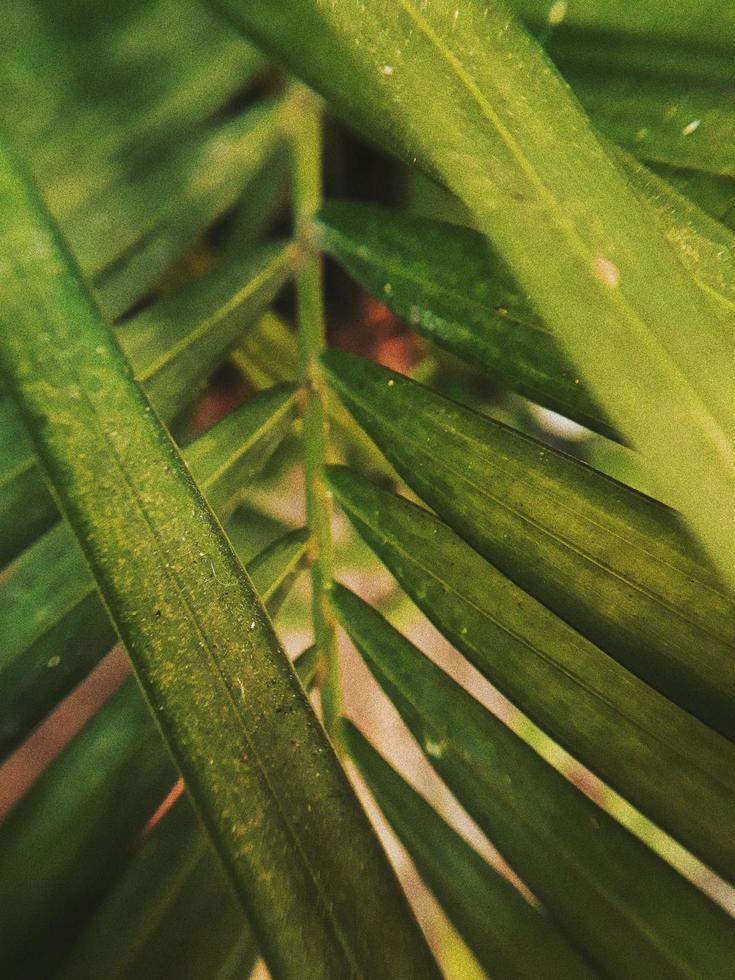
[[27, 508], [445, 282], [184, 198], [509, 937], [677, 771], [692, 25], [614, 564], [274, 570], [100, 766], [53, 625], [138, 97], [662, 121], [172, 912], [306, 666], [229, 456], [629, 910], [68, 838], [276, 803], [171, 348], [175, 345], [144, 90]]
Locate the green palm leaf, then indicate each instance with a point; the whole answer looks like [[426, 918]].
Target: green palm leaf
[[630, 912], [230, 693], [668, 764]]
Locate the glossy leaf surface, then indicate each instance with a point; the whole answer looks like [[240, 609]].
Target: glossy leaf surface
[[614, 564], [278, 818], [628, 909], [509, 937], [667, 763], [469, 96], [53, 625]]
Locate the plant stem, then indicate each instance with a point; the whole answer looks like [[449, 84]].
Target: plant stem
[[307, 191]]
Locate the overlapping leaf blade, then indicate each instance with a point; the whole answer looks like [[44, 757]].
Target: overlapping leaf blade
[[630, 911], [284, 821], [172, 904], [73, 831], [468, 95], [447, 284], [443, 280], [137, 96], [613, 563], [667, 763], [119, 81], [693, 24], [509, 937], [171, 348], [661, 121], [219, 169], [172, 910], [53, 625]]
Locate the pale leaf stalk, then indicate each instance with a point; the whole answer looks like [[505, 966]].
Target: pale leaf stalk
[[307, 191]]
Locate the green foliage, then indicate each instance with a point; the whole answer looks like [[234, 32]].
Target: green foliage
[[560, 238]]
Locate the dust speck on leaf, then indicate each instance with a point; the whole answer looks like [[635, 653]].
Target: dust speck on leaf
[[557, 13], [434, 748], [606, 271]]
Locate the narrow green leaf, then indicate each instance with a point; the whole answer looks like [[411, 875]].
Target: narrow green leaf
[[200, 932], [509, 937], [447, 284], [261, 204], [444, 281], [53, 625], [704, 245], [267, 354], [642, 86], [53, 630], [185, 198], [273, 571], [27, 508], [171, 348], [251, 529], [612, 53], [144, 90], [614, 564], [230, 455], [667, 763], [662, 121], [69, 836], [714, 195], [179, 341], [190, 868], [466, 94], [693, 28], [630, 911], [172, 913], [278, 807], [306, 666]]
